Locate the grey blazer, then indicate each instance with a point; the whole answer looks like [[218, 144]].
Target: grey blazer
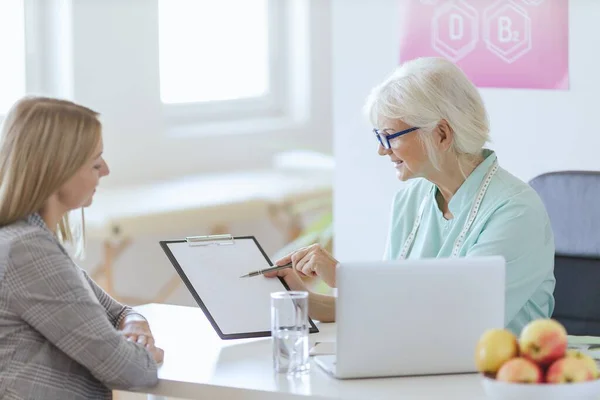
[[58, 336]]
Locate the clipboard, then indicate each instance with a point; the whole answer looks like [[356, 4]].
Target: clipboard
[[211, 266]]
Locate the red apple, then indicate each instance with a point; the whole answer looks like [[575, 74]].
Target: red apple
[[494, 348], [589, 361], [543, 341], [520, 370], [569, 370]]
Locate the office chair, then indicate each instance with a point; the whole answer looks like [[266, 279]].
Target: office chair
[[572, 199]]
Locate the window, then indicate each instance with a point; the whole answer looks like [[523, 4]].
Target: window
[[12, 45], [215, 51]]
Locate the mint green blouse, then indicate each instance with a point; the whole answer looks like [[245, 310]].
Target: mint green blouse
[[511, 222]]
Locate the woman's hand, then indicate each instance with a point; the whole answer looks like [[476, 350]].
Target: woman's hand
[[291, 277], [312, 261], [136, 329], [157, 353], [321, 307]]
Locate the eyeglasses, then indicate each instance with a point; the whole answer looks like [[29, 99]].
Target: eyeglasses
[[384, 139]]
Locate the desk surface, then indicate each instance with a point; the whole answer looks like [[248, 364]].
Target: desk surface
[[198, 364]]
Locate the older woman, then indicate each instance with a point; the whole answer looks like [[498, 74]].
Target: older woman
[[431, 122]]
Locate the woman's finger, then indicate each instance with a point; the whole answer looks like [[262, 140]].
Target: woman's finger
[[284, 260], [159, 355], [281, 273], [301, 265], [271, 274], [300, 258], [299, 255], [132, 337], [293, 280], [308, 265]]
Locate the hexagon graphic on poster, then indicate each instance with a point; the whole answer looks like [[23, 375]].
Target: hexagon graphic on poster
[[497, 43], [507, 30], [455, 29]]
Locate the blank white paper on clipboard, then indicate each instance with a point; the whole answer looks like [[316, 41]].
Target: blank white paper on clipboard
[[236, 307]]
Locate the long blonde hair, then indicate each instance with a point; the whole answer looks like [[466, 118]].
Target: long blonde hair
[[43, 143]]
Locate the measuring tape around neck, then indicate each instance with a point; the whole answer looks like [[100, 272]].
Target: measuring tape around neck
[[472, 215]]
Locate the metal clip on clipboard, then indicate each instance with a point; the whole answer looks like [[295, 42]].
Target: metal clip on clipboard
[[208, 240]]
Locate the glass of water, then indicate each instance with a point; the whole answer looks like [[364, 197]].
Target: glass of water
[[289, 329]]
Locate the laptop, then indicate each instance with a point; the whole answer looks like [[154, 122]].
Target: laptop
[[414, 317]]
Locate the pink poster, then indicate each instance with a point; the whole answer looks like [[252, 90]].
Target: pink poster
[[498, 43]]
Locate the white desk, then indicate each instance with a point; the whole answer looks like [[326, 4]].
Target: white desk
[[199, 365]]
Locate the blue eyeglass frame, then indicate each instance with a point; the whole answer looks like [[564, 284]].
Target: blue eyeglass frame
[[384, 139]]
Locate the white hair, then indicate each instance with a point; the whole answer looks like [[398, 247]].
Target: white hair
[[424, 91]]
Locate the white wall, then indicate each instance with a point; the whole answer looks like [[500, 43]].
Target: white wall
[[114, 53], [533, 131]]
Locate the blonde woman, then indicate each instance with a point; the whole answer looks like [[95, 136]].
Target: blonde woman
[[61, 336], [430, 121]]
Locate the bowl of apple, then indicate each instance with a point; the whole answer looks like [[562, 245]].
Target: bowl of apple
[[535, 365]]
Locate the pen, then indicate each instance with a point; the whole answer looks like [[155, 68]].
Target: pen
[[262, 271]]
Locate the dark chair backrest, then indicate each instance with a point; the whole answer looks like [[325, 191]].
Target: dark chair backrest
[[572, 199]]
